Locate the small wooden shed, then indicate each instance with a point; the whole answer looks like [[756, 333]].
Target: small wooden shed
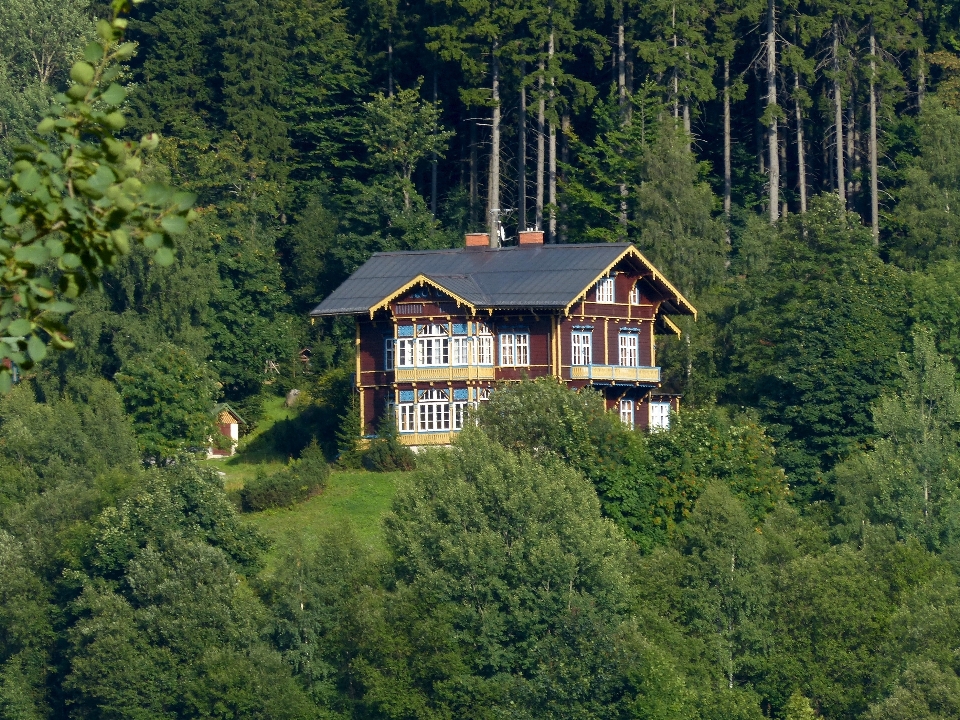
[[228, 425]]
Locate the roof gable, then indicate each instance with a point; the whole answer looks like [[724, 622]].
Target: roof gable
[[525, 276]]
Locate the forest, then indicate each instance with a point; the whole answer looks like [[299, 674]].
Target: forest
[[789, 548]]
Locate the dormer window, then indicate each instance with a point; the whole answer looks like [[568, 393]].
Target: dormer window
[[605, 291]]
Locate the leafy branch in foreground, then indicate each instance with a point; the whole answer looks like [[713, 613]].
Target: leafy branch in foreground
[[75, 203]]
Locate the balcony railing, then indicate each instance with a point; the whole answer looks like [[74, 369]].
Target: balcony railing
[[444, 372], [615, 373]]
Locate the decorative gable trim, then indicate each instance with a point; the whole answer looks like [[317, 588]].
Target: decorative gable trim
[[631, 251], [384, 303]]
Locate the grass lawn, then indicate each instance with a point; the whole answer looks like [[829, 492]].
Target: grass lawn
[[353, 497]]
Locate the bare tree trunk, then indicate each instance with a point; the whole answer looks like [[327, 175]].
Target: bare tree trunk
[[801, 160], [389, 62], [921, 78], [874, 185], [541, 122], [522, 153], [838, 115], [727, 160], [474, 183], [676, 78], [493, 188], [852, 189], [772, 135], [622, 93], [433, 159], [565, 161], [552, 169]]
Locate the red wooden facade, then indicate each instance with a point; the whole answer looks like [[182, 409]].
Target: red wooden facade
[[426, 354]]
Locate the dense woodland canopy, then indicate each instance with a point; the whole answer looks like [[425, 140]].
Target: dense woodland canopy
[[789, 549]]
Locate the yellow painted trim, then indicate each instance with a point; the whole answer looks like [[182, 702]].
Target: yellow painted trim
[[681, 300], [418, 280], [606, 343], [671, 326]]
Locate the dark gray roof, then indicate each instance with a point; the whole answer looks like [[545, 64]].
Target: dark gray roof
[[525, 276]]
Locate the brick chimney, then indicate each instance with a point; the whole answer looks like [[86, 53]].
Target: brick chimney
[[531, 237], [478, 239]]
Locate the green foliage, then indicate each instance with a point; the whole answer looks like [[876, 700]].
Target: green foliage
[[349, 448], [926, 217], [386, 453], [911, 476], [400, 131], [508, 594], [301, 478], [647, 484], [169, 396], [76, 200], [182, 503], [812, 341]]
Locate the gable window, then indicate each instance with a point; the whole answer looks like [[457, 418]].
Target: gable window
[[433, 411], [433, 345], [582, 348], [514, 349], [635, 295], [628, 349], [388, 347], [605, 291], [659, 416], [626, 413]]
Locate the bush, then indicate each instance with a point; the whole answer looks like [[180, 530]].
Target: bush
[[299, 480], [386, 453]]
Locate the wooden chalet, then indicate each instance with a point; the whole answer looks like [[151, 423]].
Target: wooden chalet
[[437, 330]]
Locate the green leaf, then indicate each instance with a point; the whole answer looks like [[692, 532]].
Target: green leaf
[[184, 200], [93, 52], [59, 306], [82, 73], [70, 261], [11, 215], [18, 327], [28, 179], [164, 257], [6, 380], [174, 224], [36, 348], [114, 95], [157, 194], [153, 241], [32, 254]]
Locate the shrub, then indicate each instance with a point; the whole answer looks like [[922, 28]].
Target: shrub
[[299, 480], [386, 453]]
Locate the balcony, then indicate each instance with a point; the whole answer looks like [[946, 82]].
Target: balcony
[[442, 373], [616, 373]]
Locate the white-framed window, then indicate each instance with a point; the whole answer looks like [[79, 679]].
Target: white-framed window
[[626, 413], [406, 417], [459, 412], [432, 351], [483, 394], [659, 416], [404, 353], [605, 291], [433, 411], [484, 345], [388, 351], [582, 342], [514, 349], [460, 351], [635, 294], [628, 349]]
